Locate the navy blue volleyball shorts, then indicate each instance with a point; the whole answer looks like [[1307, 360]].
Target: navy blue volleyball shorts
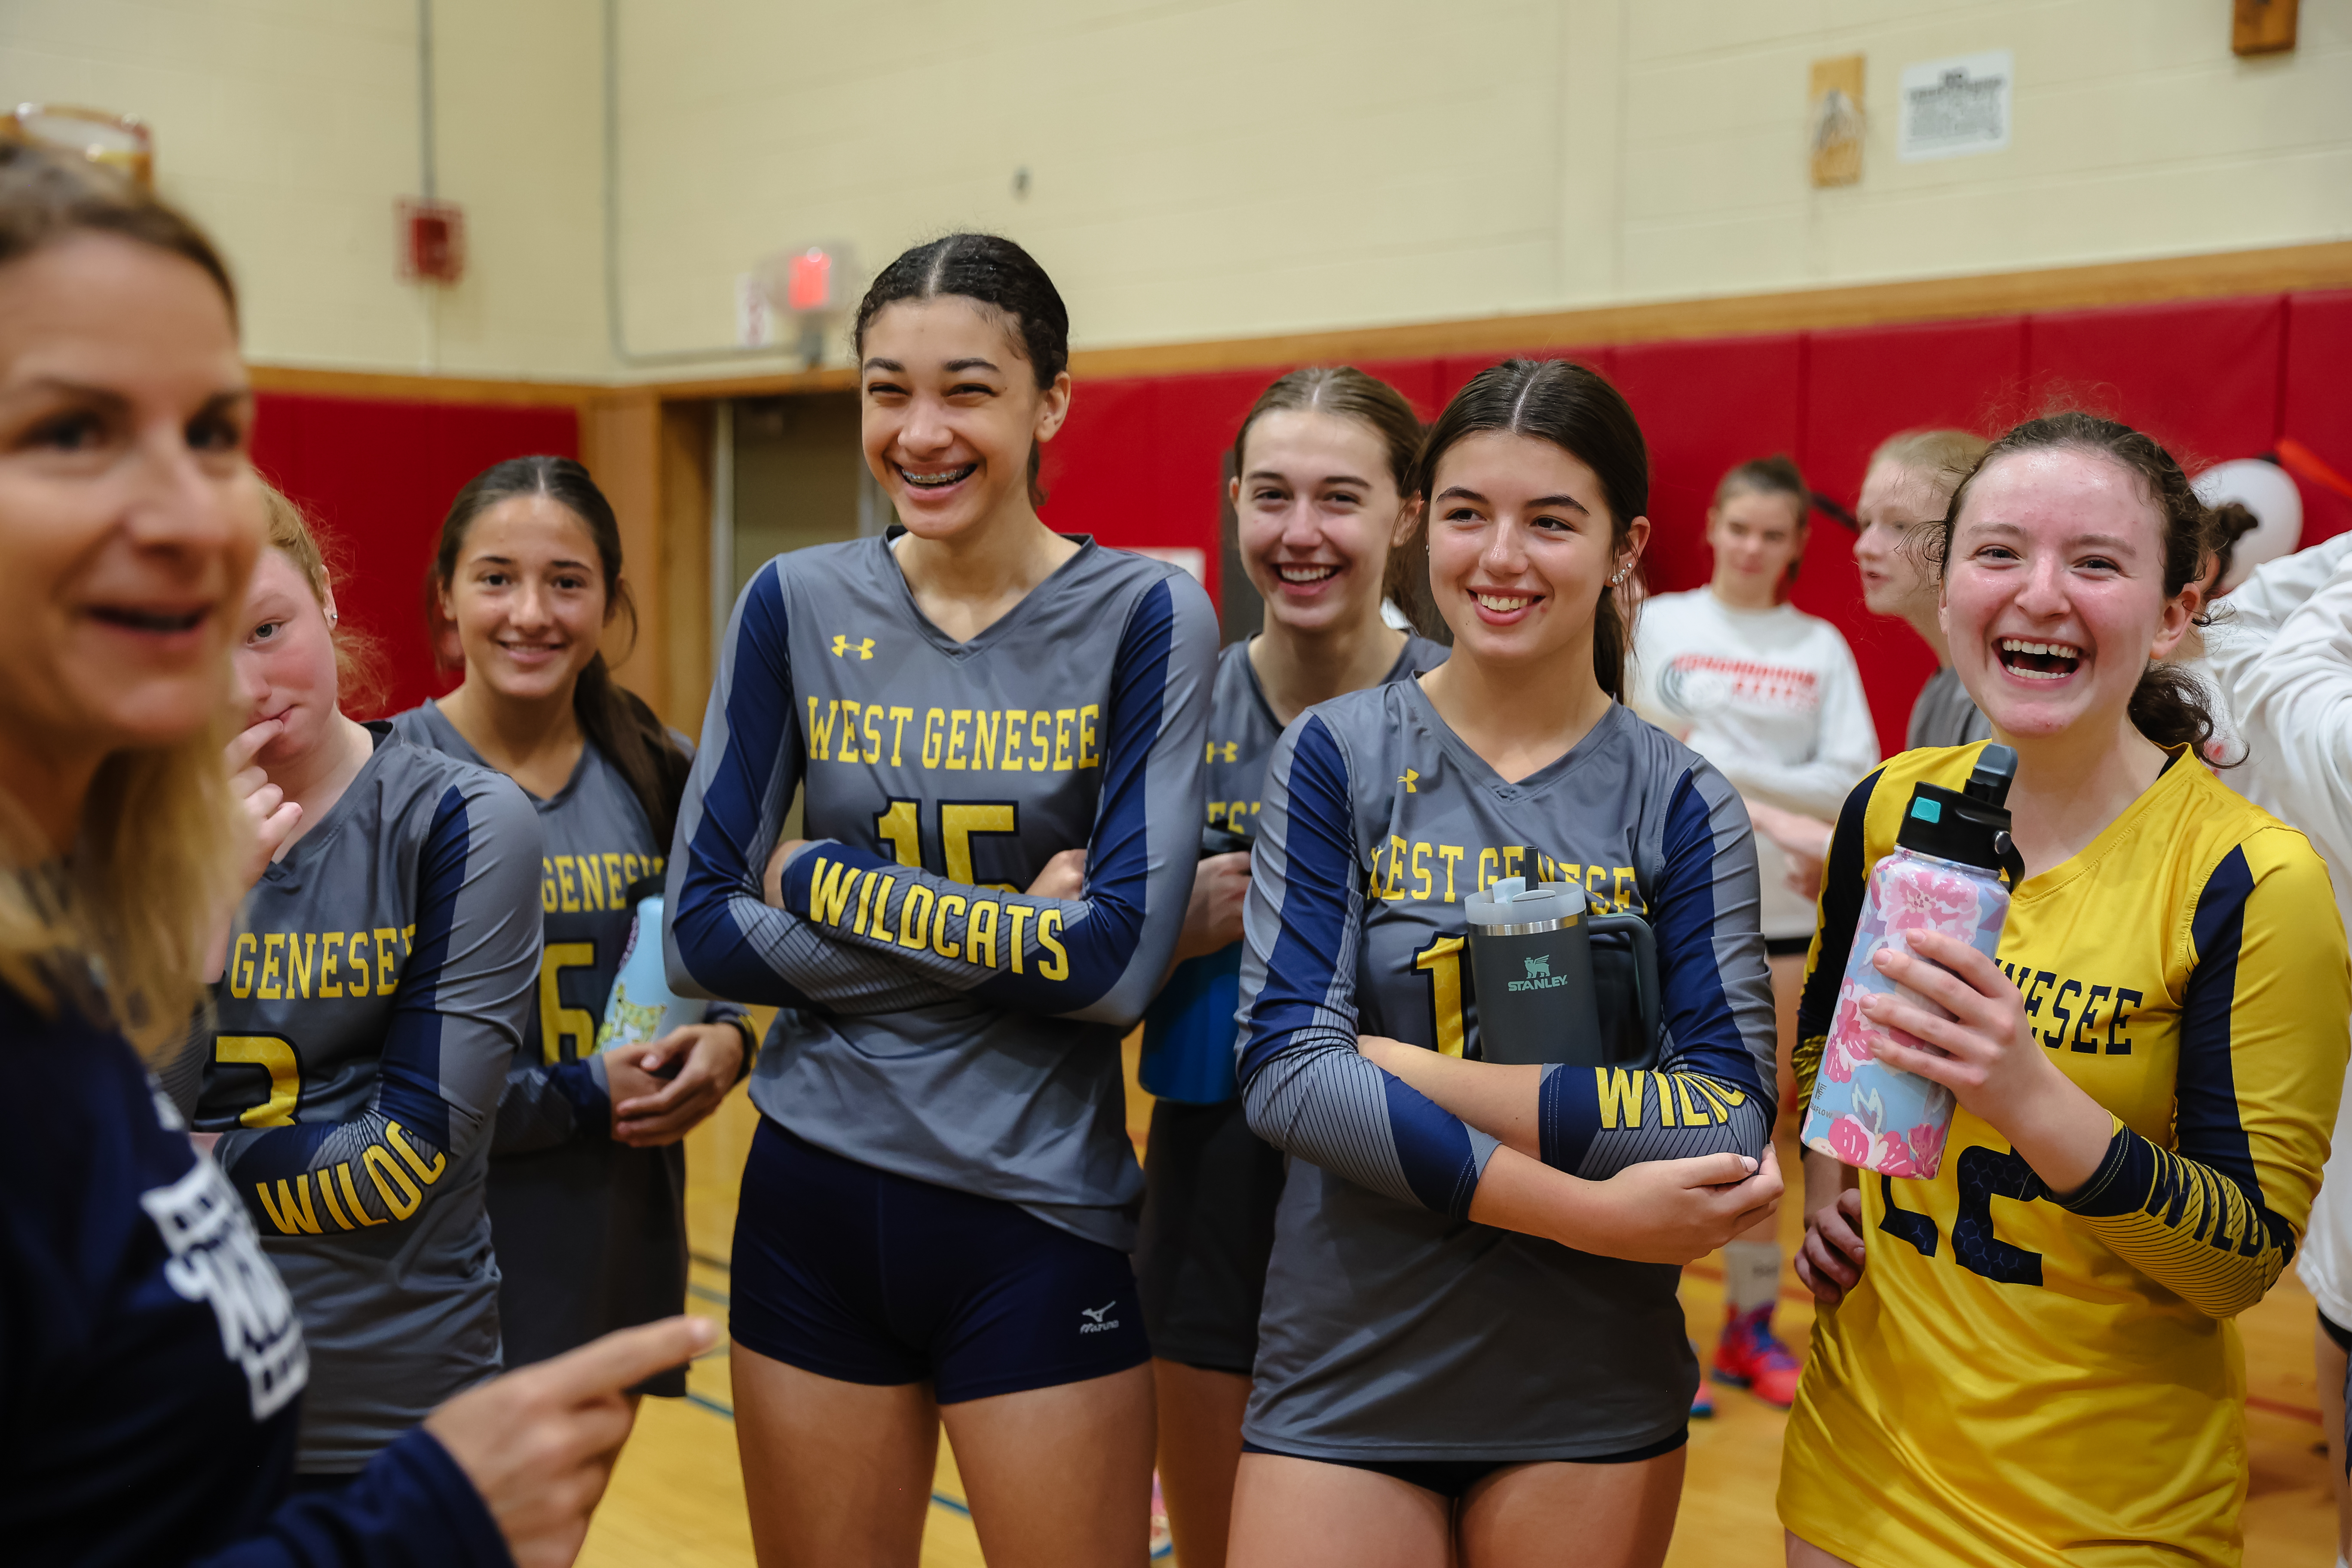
[[869, 1277]]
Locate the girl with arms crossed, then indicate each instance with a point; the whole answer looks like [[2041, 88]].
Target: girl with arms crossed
[[2146, 1080], [1321, 466], [375, 983], [1430, 1390], [941, 1193], [1770, 696], [152, 1366], [587, 1192]]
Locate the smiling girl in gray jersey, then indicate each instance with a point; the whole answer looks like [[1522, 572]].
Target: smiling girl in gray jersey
[[940, 1193], [1321, 466], [377, 981], [1471, 1343], [587, 1170]]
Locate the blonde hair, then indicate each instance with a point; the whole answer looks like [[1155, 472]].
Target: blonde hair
[[1942, 457], [118, 925], [356, 685]]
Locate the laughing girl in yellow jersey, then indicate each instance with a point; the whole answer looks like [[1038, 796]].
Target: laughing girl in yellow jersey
[[2038, 1364]]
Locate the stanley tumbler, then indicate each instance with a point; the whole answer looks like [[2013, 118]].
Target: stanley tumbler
[[1531, 974]]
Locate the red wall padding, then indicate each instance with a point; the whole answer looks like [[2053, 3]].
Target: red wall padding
[[376, 478], [2316, 391], [1139, 462]]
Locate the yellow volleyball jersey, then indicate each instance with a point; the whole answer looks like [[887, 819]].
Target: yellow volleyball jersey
[[2017, 1382]]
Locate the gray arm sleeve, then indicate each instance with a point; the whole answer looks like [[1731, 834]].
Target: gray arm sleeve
[[1305, 1089]]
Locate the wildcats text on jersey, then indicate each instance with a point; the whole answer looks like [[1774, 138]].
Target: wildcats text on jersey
[[290, 1210], [858, 901]]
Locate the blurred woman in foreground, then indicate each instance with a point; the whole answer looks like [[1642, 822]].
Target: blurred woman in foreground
[[151, 1362]]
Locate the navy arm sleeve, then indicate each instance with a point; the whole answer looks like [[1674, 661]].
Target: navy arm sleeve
[[463, 1004], [1305, 1088], [868, 922], [2215, 1217], [411, 1508], [719, 938], [1713, 1087], [1845, 882], [544, 1105]]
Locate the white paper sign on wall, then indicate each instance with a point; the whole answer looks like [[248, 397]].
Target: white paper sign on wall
[[755, 324], [1951, 107]]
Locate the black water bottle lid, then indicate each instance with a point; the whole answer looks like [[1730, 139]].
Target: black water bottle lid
[[1969, 825]]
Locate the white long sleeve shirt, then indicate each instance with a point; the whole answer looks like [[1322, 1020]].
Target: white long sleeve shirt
[[2285, 668], [1772, 699]]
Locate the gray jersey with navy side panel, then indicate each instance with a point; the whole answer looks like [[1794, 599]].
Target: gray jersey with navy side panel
[[591, 1233], [1945, 714], [379, 979], [1243, 728], [1188, 1030], [936, 1022], [1394, 1327]]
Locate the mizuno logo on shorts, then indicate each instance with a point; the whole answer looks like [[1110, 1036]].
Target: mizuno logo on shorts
[[1093, 1316]]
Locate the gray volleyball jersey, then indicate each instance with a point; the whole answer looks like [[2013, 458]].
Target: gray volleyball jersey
[[1945, 714], [1243, 729], [591, 1233], [935, 1021], [379, 979], [1394, 1327], [1188, 1030]]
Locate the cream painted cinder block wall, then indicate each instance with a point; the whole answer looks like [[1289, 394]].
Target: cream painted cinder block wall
[[289, 128], [1197, 168], [1200, 169]]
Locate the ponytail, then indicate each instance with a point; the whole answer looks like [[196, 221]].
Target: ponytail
[[618, 723]]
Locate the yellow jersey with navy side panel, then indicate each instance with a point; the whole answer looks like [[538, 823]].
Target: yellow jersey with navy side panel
[[2019, 1379]]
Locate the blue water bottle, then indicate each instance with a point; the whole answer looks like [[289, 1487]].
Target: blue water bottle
[[642, 1008]]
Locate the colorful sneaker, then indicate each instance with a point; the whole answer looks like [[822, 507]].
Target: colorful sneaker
[[1750, 1356], [1702, 1403], [1162, 1543]]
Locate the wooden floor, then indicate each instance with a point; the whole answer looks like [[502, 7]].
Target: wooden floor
[[678, 1497]]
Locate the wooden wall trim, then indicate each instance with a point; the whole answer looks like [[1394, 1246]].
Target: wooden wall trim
[[394, 387], [2266, 271], [2298, 267]]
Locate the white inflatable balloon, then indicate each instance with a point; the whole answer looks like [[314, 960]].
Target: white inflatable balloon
[[2268, 491]]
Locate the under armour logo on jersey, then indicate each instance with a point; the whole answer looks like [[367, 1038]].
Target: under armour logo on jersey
[[1093, 1316], [1411, 779], [842, 647], [1233, 750]]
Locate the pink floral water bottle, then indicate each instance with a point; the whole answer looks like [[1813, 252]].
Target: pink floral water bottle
[[1945, 877]]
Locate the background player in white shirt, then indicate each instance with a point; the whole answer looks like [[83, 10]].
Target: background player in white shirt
[[2287, 671], [1770, 696]]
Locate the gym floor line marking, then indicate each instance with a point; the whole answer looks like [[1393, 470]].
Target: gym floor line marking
[[707, 1261], [719, 1408], [706, 1293]]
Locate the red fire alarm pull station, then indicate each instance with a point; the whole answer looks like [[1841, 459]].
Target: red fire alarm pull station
[[432, 242], [808, 282]]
